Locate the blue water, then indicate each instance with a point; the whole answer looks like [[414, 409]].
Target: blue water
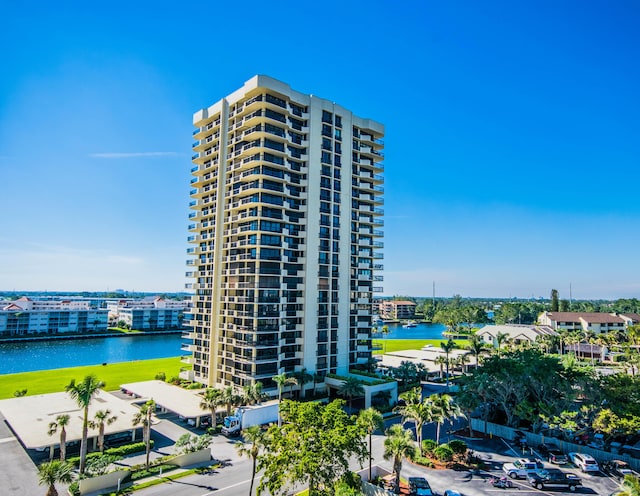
[[47, 355], [422, 331]]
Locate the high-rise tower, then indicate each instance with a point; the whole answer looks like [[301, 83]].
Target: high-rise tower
[[285, 235]]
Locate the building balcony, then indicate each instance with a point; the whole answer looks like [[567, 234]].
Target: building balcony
[[187, 359]]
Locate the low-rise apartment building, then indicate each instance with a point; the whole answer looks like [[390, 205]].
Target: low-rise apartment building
[[27, 316], [595, 322], [397, 309], [148, 313], [516, 333]]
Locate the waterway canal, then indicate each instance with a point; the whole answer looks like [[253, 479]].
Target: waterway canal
[[58, 353]]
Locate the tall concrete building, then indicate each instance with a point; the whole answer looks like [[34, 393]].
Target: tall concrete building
[[285, 236]]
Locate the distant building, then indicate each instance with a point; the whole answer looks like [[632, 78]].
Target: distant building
[[27, 316], [148, 313], [516, 333], [397, 309], [586, 321]]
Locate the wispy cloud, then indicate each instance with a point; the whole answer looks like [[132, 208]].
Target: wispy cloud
[[132, 154]]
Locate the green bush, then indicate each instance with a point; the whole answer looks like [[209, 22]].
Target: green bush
[[74, 489], [214, 430], [458, 446], [425, 462], [443, 453], [161, 376], [128, 449], [155, 470], [429, 446], [195, 385]]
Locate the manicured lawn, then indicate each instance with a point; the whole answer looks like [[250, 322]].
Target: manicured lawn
[[388, 345], [113, 374]]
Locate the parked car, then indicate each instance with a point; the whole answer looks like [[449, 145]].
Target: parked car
[[552, 453], [617, 468], [554, 477], [537, 461], [452, 492], [419, 486], [520, 469], [586, 463]]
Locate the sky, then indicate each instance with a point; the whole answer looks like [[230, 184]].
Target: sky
[[512, 145]]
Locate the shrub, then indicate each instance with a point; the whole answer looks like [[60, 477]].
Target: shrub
[[155, 470], [425, 462], [74, 489], [429, 446], [161, 376], [214, 430], [443, 453], [458, 446], [128, 449], [195, 385]]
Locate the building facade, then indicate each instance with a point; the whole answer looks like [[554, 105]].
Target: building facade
[[148, 313], [397, 309], [25, 316], [285, 236], [595, 322]]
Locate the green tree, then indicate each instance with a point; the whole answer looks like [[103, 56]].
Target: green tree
[[100, 419], [189, 443], [144, 418], [398, 445], [414, 410], [211, 400], [281, 381], [303, 377], [476, 348], [441, 408], [50, 473], [351, 388], [313, 447], [230, 398], [254, 442], [252, 393], [61, 422], [83, 393], [555, 304], [448, 347], [371, 420], [630, 486]]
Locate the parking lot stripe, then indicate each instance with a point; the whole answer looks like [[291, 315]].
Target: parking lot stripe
[[7, 440]]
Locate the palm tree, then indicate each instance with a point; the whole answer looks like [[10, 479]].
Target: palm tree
[[501, 338], [371, 420], [385, 332], [143, 417], [229, 398], [252, 393], [441, 361], [100, 418], [83, 392], [447, 348], [303, 377], [316, 379], [282, 380], [442, 409], [476, 347], [61, 421], [256, 436], [398, 445], [49, 473], [211, 400], [630, 486], [351, 387], [413, 411]]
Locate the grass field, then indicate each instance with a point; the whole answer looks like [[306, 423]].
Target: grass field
[[113, 374], [389, 345]]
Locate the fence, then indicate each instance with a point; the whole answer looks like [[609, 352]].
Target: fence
[[534, 439]]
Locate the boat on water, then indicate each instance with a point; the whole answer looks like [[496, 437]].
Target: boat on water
[[409, 324]]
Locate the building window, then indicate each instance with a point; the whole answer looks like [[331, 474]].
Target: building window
[[327, 117]]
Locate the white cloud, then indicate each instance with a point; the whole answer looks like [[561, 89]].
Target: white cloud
[[133, 154]]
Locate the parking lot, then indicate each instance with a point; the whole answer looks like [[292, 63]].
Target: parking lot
[[495, 453]]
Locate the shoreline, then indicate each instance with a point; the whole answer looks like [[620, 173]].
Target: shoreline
[[90, 336]]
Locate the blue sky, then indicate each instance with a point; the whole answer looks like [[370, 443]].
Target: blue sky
[[512, 135]]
